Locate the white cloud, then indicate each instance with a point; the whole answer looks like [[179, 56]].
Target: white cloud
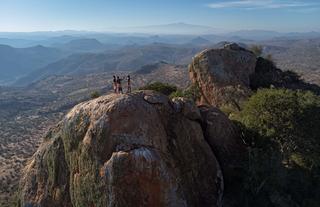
[[260, 4], [305, 10]]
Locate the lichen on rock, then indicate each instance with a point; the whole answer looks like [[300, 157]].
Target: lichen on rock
[[215, 69], [140, 149]]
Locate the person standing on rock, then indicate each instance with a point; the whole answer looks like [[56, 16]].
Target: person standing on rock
[[114, 84], [129, 84], [119, 86]]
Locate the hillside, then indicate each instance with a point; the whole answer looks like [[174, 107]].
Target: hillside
[[16, 62], [129, 58], [163, 72], [105, 52], [300, 55], [145, 149], [43, 103], [303, 51], [84, 45]]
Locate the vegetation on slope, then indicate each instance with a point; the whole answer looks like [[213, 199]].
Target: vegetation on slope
[[192, 92], [163, 88], [281, 129]]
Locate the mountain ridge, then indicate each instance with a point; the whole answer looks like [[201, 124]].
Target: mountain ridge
[[16, 62]]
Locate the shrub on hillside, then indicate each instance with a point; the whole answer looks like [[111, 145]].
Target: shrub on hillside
[[192, 92], [291, 118], [257, 50], [163, 88], [95, 94], [281, 128]]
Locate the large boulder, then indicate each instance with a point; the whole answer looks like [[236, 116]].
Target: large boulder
[[139, 149], [222, 73], [225, 141], [227, 75]]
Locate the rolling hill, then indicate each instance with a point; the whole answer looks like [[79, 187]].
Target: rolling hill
[[129, 58], [84, 45], [16, 62]]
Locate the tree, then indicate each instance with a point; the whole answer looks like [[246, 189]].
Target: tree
[[257, 50], [288, 117], [281, 129]]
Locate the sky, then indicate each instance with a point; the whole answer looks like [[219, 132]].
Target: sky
[[106, 15]]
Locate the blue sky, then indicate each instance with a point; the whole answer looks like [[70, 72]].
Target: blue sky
[[101, 15]]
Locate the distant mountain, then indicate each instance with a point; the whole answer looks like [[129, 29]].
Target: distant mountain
[[129, 58], [175, 28], [143, 39], [61, 39], [176, 33], [199, 41], [28, 40], [130, 52], [16, 62], [299, 35], [260, 35], [85, 45], [19, 43], [254, 34]]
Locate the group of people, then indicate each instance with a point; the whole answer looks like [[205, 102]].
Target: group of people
[[117, 84]]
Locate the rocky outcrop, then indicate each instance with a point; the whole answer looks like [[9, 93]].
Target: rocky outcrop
[[223, 137], [217, 72], [228, 75], [139, 149]]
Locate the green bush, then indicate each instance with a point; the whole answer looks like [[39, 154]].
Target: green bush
[[192, 92], [163, 88], [177, 93], [281, 128], [257, 50], [291, 118], [95, 94]]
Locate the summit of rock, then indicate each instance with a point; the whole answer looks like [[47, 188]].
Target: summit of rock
[[216, 70], [140, 149], [230, 72]]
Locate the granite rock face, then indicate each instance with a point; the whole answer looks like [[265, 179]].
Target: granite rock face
[[224, 139], [218, 72], [229, 74], [140, 149]]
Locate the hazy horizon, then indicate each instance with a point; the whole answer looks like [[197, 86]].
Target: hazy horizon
[[129, 30], [149, 29], [115, 16]]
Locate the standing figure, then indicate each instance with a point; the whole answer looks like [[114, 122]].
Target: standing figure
[[119, 86], [129, 84], [115, 84]]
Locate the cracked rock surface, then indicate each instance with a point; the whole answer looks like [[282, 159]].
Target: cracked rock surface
[[140, 149], [221, 73]]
